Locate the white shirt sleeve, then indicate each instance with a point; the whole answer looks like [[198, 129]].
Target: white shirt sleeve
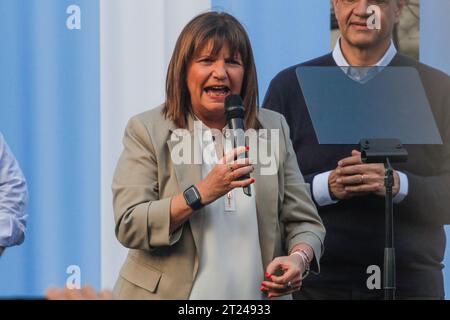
[[320, 190], [322, 195], [13, 199], [404, 186]]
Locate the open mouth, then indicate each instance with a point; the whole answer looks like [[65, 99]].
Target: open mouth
[[217, 91]]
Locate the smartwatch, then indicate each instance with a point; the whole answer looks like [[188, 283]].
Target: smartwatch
[[193, 198]]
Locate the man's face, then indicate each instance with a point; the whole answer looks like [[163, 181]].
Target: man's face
[[352, 18]]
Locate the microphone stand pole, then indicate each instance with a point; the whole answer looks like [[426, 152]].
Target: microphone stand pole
[[389, 250], [386, 151]]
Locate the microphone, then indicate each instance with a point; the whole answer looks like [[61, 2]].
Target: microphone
[[234, 111]]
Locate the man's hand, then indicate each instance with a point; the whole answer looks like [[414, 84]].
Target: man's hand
[[353, 178], [336, 187]]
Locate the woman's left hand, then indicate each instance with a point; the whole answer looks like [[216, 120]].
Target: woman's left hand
[[291, 280]]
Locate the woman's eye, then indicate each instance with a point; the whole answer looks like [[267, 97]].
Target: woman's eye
[[233, 61], [206, 60]]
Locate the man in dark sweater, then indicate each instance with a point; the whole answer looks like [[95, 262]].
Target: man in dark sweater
[[350, 194]]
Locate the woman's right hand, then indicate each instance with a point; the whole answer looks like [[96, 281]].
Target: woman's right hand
[[225, 175]]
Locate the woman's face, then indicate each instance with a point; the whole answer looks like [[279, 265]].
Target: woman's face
[[210, 79]]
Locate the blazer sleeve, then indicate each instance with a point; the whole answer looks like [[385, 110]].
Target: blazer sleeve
[[142, 219], [302, 223]]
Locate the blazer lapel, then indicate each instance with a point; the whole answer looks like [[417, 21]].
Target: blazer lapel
[[266, 193]]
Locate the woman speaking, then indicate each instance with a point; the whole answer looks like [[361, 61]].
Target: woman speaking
[[191, 230]]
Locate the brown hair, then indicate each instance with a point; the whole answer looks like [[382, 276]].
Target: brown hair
[[220, 29]]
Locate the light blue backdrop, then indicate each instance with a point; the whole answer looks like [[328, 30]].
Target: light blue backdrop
[[49, 114], [283, 33]]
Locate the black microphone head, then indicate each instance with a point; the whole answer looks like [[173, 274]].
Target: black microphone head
[[234, 107]]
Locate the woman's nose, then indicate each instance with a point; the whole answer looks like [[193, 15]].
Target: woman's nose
[[220, 71]]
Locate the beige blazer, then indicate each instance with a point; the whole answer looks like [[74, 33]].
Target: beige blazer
[[164, 266]]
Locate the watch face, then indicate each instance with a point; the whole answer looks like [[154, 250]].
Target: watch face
[[191, 196]]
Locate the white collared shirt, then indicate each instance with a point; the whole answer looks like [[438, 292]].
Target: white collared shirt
[[320, 182], [340, 60], [230, 262]]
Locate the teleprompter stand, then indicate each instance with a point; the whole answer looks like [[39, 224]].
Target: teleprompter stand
[[386, 151]]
